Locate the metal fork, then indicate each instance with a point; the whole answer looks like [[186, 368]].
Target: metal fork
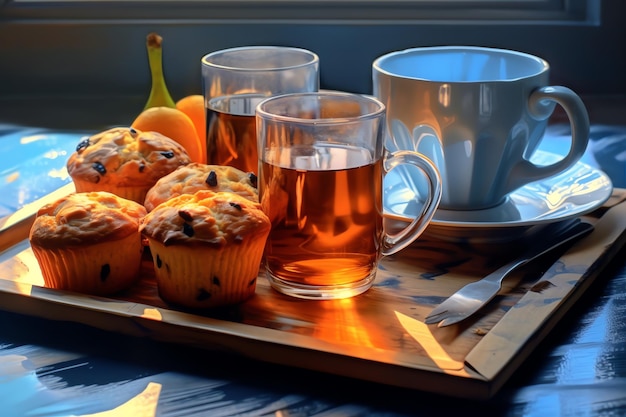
[[475, 295]]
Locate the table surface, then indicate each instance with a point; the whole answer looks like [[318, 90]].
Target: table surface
[[50, 368]]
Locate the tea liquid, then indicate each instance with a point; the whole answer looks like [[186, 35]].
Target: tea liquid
[[326, 212], [231, 131]]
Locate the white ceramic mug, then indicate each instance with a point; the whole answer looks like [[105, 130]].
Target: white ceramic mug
[[478, 114]]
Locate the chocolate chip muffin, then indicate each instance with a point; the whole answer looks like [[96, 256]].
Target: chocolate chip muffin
[[206, 248], [193, 177], [124, 161], [89, 242]]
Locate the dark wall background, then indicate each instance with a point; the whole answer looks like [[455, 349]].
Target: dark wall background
[[53, 63]]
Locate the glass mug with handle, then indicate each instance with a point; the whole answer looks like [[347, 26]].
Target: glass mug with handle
[[235, 80], [322, 163]]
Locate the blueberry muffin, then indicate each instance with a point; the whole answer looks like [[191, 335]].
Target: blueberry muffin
[[89, 242], [206, 248], [190, 178], [124, 161]]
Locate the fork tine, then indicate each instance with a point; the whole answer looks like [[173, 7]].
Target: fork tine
[[434, 317], [450, 320], [444, 310]]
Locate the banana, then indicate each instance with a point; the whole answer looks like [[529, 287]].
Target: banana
[[159, 94]]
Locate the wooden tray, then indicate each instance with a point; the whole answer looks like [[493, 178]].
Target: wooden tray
[[377, 336]]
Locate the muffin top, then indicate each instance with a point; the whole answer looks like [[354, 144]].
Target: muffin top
[[205, 218], [85, 218], [193, 177], [126, 157]]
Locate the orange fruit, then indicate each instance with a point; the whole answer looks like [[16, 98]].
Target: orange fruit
[[174, 124], [193, 106]]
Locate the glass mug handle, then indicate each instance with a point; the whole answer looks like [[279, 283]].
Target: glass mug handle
[[393, 243], [541, 105]]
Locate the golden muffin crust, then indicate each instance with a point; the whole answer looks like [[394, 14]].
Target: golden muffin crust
[[126, 157], [85, 218], [206, 218], [196, 176]]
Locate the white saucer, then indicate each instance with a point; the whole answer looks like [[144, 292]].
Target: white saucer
[[573, 193]]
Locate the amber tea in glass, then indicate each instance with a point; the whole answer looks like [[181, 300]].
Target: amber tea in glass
[[234, 81], [231, 131], [331, 232], [321, 184]]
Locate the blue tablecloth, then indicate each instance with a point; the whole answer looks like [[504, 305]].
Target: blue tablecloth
[[33, 160], [32, 164]]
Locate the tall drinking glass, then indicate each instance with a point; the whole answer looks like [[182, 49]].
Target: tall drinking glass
[[234, 81], [321, 184]]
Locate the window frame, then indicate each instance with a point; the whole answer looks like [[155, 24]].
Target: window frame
[[432, 12]]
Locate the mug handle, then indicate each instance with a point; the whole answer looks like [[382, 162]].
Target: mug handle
[[393, 243], [541, 105]]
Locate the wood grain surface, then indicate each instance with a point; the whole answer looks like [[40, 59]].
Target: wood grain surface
[[379, 335]]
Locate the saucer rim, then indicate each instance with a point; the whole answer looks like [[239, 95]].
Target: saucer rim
[[589, 207]]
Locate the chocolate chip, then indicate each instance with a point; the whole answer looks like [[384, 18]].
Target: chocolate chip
[[238, 239], [185, 215], [159, 262], [168, 154], [132, 131], [203, 295], [252, 281], [253, 179], [188, 230], [82, 144], [235, 205], [105, 271], [142, 167], [212, 179], [216, 281], [99, 167]]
